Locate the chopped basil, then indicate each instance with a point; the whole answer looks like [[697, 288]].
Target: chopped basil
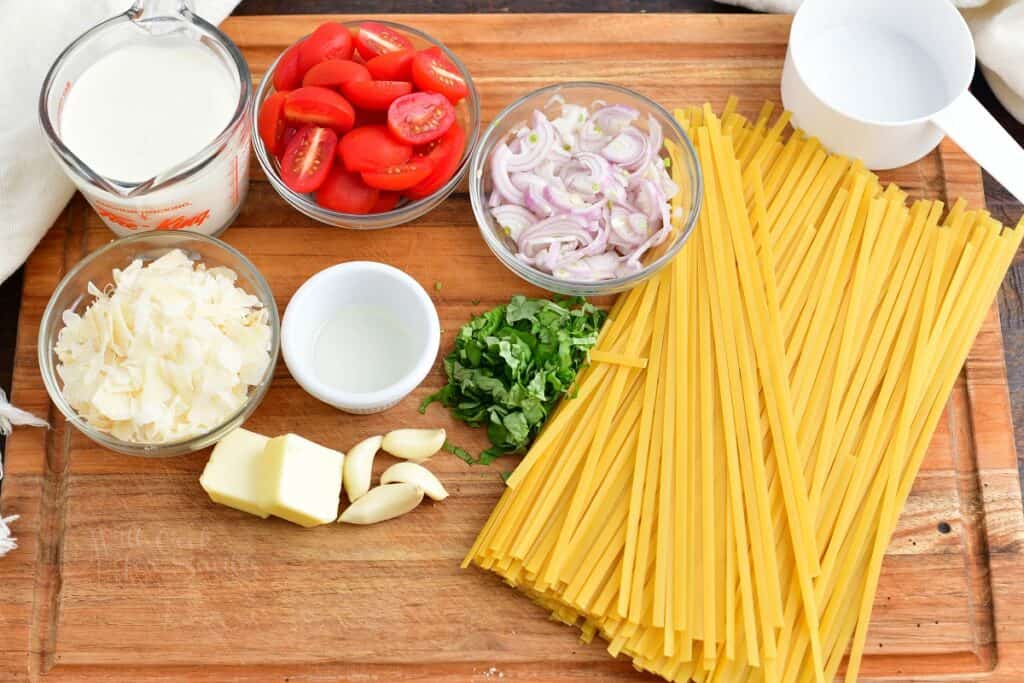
[[512, 364]]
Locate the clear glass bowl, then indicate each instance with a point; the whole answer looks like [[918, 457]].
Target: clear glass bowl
[[584, 94], [467, 113], [97, 268]]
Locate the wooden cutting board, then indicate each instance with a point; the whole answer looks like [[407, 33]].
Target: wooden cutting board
[[126, 571]]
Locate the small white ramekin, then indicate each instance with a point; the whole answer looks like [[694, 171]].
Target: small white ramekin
[[364, 283]]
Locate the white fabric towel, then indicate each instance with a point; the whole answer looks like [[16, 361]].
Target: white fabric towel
[[10, 416], [33, 189], [998, 29]]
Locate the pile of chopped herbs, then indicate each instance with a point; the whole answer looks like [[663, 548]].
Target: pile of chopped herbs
[[512, 364]]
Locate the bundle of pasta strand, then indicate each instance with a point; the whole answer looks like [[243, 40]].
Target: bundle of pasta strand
[[722, 489]]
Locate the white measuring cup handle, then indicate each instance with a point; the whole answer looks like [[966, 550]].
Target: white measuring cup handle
[[973, 128]]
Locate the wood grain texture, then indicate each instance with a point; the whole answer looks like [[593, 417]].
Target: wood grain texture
[[126, 572]]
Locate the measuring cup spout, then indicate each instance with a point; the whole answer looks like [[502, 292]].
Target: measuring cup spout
[[125, 190]]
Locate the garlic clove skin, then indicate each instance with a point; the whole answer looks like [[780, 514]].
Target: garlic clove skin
[[382, 503], [414, 444], [417, 475], [359, 467]]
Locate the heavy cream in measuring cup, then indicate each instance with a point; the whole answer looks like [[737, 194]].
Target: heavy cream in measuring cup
[[141, 110], [145, 108]]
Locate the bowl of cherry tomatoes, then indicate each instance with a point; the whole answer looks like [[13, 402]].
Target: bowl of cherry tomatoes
[[365, 124]]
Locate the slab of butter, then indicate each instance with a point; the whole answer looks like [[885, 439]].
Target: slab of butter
[[231, 476], [300, 480]]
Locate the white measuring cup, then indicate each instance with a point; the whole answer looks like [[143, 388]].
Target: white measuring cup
[[885, 80], [202, 193]]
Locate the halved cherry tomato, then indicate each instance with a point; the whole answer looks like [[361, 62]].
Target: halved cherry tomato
[[420, 117], [392, 66], [374, 39], [346, 192], [375, 95], [322, 106], [368, 117], [308, 158], [432, 71], [371, 148], [334, 73], [399, 177], [270, 122], [444, 154], [330, 40], [287, 75], [286, 137], [385, 202]]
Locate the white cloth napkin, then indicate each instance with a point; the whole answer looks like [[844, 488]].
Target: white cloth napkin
[[10, 416], [33, 189], [998, 29]]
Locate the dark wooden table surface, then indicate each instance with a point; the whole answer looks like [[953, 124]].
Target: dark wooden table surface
[[1000, 203]]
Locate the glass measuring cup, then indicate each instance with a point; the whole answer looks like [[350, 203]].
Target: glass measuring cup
[[203, 192]]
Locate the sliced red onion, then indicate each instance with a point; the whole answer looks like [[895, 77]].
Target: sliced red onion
[[524, 181], [615, 118], [655, 137], [559, 199], [649, 199], [627, 148], [640, 224], [535, 144], [599, 245], [590, 212], [590, 268], [559, 228], [664, 181], [555, 243], [627, 230], [548, 171], [591, 138], [653, 241], [580, 182], [628, 268], [499, 175], [559, 154], [569, 124], [596, 165], [618, 219], [513, 219], [537, 203], [615, 192], [584, 195]]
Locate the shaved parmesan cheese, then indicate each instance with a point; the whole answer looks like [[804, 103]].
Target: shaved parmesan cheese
[[168, 352]]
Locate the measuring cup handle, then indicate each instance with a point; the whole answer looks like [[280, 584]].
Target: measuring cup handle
[[973, 128], [147, 9]]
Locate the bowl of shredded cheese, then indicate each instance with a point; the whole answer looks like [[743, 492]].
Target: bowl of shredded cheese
[[160, 343]]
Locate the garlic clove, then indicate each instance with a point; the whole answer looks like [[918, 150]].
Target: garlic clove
[[382, 503], [417, 475], [359, 467], [413, 444]]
